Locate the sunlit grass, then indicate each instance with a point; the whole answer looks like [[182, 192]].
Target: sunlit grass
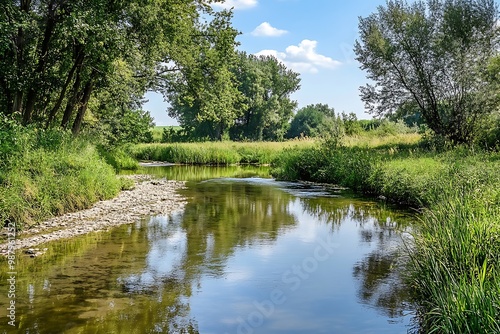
[[51, 175], [373, 141], [455, 265], [215, 153]]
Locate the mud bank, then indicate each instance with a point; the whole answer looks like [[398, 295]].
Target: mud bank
[[148, 197]]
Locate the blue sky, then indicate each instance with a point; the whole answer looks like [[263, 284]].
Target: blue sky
[[312, 37]]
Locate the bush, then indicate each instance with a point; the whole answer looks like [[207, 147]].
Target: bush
[[344, 166]]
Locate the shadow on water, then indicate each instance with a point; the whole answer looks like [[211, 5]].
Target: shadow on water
[[247, 255]]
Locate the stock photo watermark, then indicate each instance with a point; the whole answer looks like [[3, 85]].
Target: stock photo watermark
[[11, 274], [293, 279]]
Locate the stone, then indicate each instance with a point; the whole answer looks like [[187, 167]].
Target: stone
[[149, 197]]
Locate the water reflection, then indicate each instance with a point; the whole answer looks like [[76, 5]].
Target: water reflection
[[246, 256], [200, 173]]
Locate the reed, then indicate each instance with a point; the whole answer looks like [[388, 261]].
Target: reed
[[215, 153]]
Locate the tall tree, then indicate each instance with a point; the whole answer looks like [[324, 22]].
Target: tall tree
[[203, 93], [266, 85], [60, 59], [433, 54]]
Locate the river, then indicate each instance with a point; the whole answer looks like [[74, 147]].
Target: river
[[247, 255]]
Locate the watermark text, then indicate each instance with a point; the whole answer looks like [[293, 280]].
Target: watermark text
[[11, 274]]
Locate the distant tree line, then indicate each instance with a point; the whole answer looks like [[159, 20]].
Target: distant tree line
[[320, 121]]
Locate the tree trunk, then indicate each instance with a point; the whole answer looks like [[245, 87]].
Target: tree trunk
[[32, 92], [8, 98], [57, 105], [70, 105], [83, 106], [17, 104]]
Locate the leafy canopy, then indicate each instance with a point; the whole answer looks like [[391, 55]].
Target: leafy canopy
[[433, 54], [71, 64], [312, 121]]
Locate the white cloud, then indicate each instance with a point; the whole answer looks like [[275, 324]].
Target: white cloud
[[265, 29], [303, 58], [236, 4]]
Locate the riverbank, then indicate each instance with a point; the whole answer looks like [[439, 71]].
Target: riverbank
[[148, 197], [454, 269], [48, 173]]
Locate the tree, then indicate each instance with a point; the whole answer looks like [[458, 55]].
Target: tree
[[432, 54], [266, 85], [312, 121], [409, 113], [203, 93], [351, 124], [64, 62]]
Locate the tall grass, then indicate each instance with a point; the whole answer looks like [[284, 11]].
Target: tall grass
[[215, 153], [118, 158], [455, 266], [371, 139], [47, 173]]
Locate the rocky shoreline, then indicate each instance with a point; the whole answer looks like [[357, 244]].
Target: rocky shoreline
[[148, 197]]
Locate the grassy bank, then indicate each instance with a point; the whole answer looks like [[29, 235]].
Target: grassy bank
[[455, 263], [215, 153], [47, 173]]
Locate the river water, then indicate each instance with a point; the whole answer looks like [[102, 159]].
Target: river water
[[247, 255]]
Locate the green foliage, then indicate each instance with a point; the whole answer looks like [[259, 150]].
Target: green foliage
[[430, 56], [351, 125], [266, 85], [125, 127], [174, 135], [118, 158], [313, 121], [256, 91], [409, 113], [203, 94], [50, 174], [213, 153], [490, 138], [74, 63]]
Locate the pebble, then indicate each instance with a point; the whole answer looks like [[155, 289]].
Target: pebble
[[148, 197]]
